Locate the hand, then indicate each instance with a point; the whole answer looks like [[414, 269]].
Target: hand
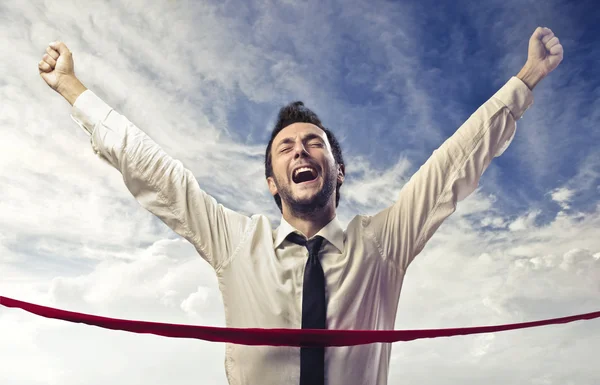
[[56, 65], [545, 54], [57, 70], [545, 51]]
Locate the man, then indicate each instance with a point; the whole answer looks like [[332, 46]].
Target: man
[[309, 272]]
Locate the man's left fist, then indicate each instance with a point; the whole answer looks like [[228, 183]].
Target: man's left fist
[[545, 51]]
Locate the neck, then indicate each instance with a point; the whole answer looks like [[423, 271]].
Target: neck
[[310, 223]]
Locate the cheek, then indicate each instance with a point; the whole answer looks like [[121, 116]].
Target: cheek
[[327, 162], [280, 171]]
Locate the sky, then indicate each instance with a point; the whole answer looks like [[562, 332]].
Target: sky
[[205, 79]]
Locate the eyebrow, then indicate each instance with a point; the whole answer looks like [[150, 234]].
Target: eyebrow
[[307, 137]]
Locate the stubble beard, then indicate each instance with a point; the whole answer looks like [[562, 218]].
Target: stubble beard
[[307, 208]]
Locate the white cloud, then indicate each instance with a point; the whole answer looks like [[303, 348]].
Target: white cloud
[[497, 277], [369, 187], [562, 196], [524, 222], [496, 222], [196, 302]]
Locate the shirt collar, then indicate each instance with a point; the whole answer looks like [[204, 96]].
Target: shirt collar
[[332, 232]]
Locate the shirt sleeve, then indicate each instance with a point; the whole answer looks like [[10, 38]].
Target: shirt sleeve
[[449, 175], [161, 184]]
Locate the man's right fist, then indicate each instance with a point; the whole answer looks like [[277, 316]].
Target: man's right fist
[[56, 66]]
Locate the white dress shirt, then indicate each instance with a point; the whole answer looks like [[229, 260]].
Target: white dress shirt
[[260, 273]]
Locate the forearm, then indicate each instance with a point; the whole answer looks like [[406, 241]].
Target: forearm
[[166, 188], [454, 170], [160, 183], [71, 88], [450, 174]]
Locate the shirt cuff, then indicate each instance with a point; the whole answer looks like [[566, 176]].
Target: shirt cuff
[[88, 110], [516, 96]]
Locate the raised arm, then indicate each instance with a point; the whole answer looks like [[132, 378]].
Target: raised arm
[[453, 171], [161, 184]]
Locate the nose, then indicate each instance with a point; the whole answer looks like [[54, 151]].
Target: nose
[[300, 150]]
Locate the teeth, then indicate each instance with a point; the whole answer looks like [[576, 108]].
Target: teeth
[[301, 169]]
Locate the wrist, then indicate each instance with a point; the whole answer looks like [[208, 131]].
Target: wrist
[[530, 76], [70, 88]]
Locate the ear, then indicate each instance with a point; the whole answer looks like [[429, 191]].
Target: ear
[[341, 173], [272, 186]]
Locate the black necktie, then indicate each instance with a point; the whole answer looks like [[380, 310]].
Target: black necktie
[[314, 311]]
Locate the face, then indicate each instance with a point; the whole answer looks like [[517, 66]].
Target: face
[[305, 174]]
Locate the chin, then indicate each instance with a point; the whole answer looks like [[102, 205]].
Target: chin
[[307, 193], [305, 199], [306, 196]]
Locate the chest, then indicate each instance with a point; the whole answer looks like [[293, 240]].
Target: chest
[[262, 286]]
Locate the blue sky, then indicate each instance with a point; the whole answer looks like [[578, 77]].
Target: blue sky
[[393, 80]]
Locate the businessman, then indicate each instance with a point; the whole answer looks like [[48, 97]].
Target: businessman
[[309, 272]]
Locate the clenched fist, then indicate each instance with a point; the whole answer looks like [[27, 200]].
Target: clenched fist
[[545, 51], [544, 55], [56, 64], [57, 70]]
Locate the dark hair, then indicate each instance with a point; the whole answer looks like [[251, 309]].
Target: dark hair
[[296, 112]]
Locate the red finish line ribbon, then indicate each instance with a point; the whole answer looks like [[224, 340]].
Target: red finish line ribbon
[[276, 337]]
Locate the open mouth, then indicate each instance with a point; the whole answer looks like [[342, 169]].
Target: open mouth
[[304, 174]]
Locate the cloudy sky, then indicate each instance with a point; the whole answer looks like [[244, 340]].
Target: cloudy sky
[[205, 80]]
